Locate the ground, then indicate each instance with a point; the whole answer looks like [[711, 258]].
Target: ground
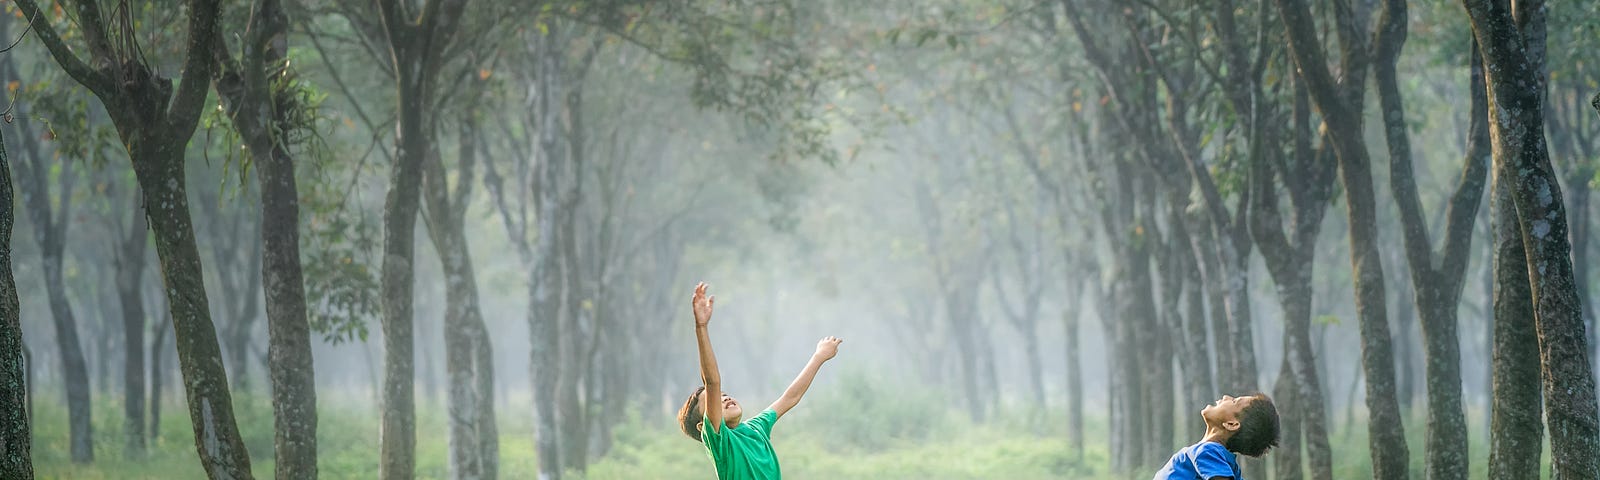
[[905, 441]]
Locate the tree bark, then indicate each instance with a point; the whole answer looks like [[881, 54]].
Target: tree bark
[[158, 348], [155, 122], [49, 232], [1516, 427], [159, 167], [1437, 277], [1291, 261], [1199, 389], [1070, 322], [130, 262], [1342, 115], [15, 438], [544, 306], [1513, 52], [263, 118], [474, 444]]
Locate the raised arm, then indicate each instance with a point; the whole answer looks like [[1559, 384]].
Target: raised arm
[[712, 402], [826, 349]]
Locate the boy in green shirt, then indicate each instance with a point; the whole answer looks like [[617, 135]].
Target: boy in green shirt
[[740, 450]]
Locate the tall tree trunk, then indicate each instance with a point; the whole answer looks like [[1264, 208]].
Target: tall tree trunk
[[130, 262], [1070, 323], [293, 376], [1196, 363], [416, 46], [155, 122], [1513, 46], [544, 305], [264, 118], [1286, 456], [15, 412], [1291, 260], [399, 438], [49, 232], [1437, 277], [159, 166], [1516, 426], [1405, 340], [1135, 312], [1386, 433], [474, 445], [158, 348]]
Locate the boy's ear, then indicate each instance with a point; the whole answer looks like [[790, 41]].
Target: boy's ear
[[1231, 425]]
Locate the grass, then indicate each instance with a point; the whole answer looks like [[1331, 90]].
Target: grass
[[853, 431]]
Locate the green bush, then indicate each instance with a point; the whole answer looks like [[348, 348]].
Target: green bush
[[858, 413]]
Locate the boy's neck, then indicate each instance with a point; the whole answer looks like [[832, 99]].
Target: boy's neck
[[1217, 434]]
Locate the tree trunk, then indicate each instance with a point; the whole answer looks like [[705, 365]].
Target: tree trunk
[[155, 122], [264, 119], [49, 231], [158, 348], [474, 445], [1197, 360], [158, 164], [130, 262], [544, 305], [1070, 322], [1134, 313], [1513, 51], [1405, 339], [293, 378], [1437, 277], [399, 438], [1286, 456], [1386, 433], [1516, 426], [15, 412]]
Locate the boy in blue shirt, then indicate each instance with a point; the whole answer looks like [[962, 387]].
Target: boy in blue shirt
[[1245, 425]]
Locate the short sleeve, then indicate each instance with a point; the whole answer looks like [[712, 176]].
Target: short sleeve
[[712, 437], [1213, 460], [763, 422]]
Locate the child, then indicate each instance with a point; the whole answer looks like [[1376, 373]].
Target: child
[[740, 450], [1244, 425]]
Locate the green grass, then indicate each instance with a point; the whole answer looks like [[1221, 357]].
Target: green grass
[[852, 431]]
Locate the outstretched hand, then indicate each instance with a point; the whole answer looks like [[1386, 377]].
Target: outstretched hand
[[827, 348], [702, 305]]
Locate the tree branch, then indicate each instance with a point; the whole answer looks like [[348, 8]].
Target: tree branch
[[189, 101], [96, 81]]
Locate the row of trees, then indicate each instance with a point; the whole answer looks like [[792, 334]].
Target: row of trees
[[1208, 118], [564, 173]]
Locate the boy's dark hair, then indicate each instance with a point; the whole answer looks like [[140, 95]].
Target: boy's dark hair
[[1258, 427], [691, 416]]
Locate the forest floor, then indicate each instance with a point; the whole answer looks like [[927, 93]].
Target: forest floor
[[904, 439]]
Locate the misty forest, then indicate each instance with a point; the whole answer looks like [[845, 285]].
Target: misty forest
[[398, 239]]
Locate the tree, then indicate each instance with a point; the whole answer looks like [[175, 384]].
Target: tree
[[49, 217], [1307, 177], [155, 122], [129, 257], [1341, 113], [417, 41], [1513, 45], [469, 356], [15, 440], [1516, 426], [267, 110], [1436, 275]]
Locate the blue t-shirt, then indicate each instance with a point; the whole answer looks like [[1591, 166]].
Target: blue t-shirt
[[1201, 461]]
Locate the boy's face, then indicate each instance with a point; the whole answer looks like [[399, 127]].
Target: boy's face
[[731, 413], [1225, 412]]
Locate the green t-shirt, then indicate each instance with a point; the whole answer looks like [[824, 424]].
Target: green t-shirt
[[743, 452]]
